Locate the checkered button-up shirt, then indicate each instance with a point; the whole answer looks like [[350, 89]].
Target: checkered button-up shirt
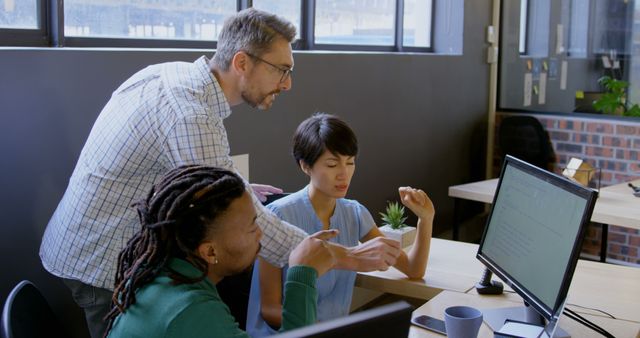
[[163, 116]]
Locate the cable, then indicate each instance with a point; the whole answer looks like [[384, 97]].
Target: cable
[[593, 309], [578, 318], [587, 324]]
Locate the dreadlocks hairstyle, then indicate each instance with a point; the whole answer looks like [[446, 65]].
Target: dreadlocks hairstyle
[[176, 216]]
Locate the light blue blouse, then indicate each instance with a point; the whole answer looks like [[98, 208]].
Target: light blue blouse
[[335, 288]]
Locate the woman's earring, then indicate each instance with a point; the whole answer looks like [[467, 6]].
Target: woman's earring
[[215, 261]]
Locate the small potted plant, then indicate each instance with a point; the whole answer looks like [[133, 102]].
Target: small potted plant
[[393, 225], [614, 100]]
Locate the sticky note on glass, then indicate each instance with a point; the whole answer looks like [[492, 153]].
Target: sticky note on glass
[[579, 94], [563, 75], [542, 83], [528, 84]]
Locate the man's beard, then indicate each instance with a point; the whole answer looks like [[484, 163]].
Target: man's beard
[[257, 103]]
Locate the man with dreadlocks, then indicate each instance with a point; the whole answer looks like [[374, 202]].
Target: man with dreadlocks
[[199, 226], [162, 117]]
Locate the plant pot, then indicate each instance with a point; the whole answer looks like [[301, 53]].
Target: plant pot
[[404, 235]]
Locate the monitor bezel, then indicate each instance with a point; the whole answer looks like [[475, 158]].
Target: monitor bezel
[[399, 313], [587, 193]]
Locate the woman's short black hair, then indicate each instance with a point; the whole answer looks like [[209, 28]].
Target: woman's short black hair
[[323, 131]]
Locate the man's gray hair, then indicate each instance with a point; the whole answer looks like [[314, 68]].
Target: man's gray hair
[[252, 31]]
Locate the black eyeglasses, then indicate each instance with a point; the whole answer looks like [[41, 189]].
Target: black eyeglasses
[[286, 72]]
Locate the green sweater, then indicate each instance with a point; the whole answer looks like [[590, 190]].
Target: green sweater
[[196, 310]]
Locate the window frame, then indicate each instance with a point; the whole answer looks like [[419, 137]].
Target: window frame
[[35, 37], [524, 26], [397, 46], [51, 33]]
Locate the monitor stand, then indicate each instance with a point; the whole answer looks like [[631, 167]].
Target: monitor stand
[[495, 318]]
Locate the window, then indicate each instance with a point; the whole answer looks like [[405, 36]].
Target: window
[[359, 22], [146, 19], [538, 13], [383, 25], [23, 23], [289, 9], [522, 44], [19, 14], [416, 30], [377, 25], [579, 28]]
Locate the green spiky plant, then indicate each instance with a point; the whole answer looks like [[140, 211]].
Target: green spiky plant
[[394, 216], [614, 100]]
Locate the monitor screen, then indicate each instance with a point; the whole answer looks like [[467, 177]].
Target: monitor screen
[[534, 233], [390, 320]]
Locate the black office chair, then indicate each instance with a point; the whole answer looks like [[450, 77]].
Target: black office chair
[[524, 137], [26, 313], [234, 290]]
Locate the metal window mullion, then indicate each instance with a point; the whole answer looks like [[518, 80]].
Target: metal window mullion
[[433, 25], [243, 4], [307, 24], [44, 19], [55, 22], [528, 28], [399, 33]]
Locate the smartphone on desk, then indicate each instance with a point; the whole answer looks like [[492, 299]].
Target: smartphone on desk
[[430, 323]]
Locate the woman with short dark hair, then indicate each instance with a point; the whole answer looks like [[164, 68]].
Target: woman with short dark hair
[[325, 148]]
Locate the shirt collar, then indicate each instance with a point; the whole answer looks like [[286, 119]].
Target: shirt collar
[[187, 269], [307, 202], [223, 110]]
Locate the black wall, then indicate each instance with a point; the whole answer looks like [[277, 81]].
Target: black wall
[[420, 120]]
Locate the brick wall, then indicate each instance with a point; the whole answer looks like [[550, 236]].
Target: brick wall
[[613, 146]]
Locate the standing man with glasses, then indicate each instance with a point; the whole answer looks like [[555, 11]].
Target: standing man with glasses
[[164, 116]]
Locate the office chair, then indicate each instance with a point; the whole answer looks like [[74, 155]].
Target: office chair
[[234, 290], [26, 313], [524, 137]]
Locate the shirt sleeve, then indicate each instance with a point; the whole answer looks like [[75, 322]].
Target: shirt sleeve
[[197, 139], [299, 307], [200, 139], [365, 220]]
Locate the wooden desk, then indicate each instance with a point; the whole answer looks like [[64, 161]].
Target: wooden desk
[[615, 205], [482, 191], [435, 308], [453, 267], [607, 287]]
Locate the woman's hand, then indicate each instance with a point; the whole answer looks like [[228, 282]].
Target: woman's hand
[[418, 202]]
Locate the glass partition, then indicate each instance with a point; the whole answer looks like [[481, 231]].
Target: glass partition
[[564, 55]]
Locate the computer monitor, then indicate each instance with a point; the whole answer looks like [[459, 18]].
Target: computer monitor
[[533, 238], [390, 320]]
